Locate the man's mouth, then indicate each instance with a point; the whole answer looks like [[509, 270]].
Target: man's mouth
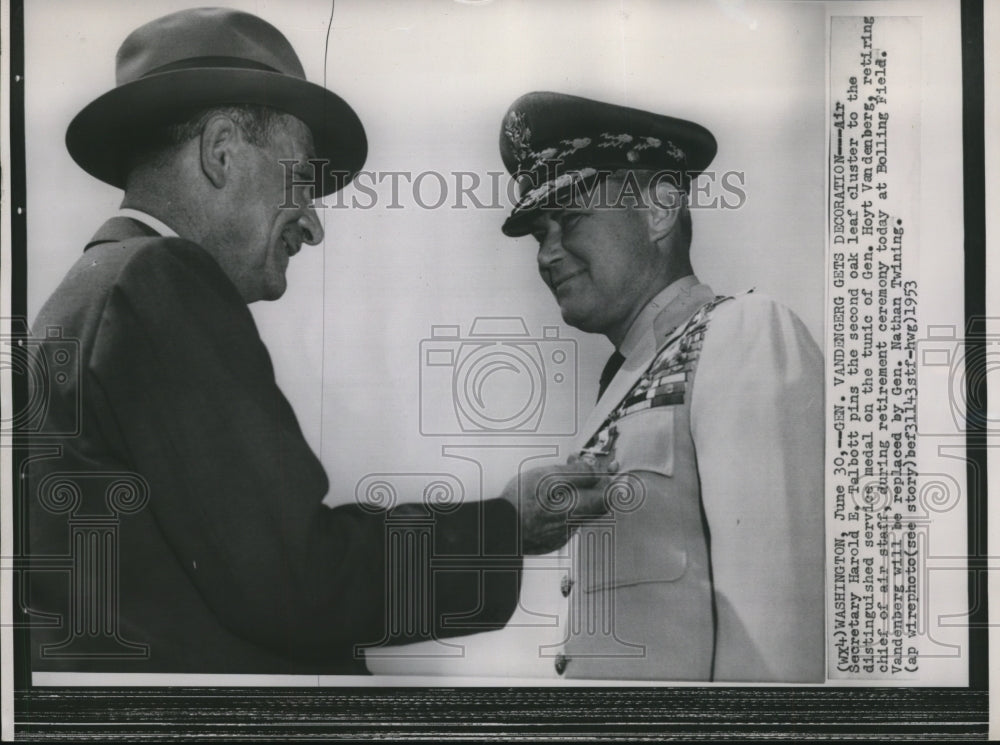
[[558, 282]]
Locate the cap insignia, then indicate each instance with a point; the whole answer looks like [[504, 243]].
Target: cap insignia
[[637, 145], [517, 132]]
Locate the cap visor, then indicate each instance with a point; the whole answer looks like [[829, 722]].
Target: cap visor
[[546, 198]]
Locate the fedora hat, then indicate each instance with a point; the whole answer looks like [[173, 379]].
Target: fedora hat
[[169, 68]]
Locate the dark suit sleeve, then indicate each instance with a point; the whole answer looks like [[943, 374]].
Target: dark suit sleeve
[[238, 493]]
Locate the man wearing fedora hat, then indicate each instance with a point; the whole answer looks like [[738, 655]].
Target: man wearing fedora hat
[[179, 526], [712, 407]]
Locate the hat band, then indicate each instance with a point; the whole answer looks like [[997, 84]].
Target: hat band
[[192, 63]]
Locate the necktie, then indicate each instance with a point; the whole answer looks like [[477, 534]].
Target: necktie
[[608, 373]]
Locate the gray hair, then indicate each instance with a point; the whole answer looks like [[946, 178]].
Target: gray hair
[[153, 147]]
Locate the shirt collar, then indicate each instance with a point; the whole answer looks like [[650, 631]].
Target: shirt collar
[[643, 323], [149, 221]]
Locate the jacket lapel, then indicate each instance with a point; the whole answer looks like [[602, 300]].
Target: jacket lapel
[[679, 310], [630, 371]]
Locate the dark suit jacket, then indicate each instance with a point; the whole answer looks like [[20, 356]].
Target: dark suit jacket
[[233, 564]]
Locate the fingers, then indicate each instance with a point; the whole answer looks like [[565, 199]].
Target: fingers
[[605, 461], [555, 498], [591, 502], [555, 484], [587, 469]]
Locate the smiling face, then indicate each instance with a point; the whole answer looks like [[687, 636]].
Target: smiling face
[[260, 234], [602, 265]]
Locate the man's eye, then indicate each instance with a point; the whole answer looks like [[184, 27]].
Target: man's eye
[[303, 193], [569, 220]]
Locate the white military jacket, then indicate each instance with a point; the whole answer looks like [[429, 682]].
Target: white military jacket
[[711, 564]]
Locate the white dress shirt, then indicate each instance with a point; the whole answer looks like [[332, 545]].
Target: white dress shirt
[[149, 221]]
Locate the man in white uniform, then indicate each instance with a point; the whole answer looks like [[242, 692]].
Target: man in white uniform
[[711, 564]]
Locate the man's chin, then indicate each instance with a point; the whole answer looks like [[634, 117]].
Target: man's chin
[[577, 320], [274, 290]]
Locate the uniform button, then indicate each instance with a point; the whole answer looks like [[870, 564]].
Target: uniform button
[[566, 586], [561, 662]]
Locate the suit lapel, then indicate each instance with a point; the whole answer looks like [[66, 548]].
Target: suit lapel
[[630, 371], [677, 311]]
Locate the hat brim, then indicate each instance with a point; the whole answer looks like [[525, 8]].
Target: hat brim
[[548, 196], [558, 195], [100, 136]]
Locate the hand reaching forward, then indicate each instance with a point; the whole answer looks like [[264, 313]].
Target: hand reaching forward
[[547, 496]]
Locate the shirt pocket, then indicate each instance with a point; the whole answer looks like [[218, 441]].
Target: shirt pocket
[[646, 441], [648, 542]]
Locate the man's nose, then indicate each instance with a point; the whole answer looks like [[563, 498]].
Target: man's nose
[[312, 228], [550, 248]]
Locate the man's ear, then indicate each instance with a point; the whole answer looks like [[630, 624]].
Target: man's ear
[[664, 210], [219, 140]]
